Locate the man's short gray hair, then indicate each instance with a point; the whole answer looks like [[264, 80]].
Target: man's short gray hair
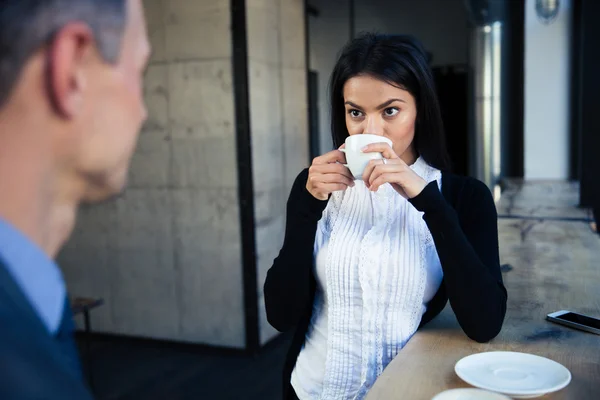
[[26, 25]]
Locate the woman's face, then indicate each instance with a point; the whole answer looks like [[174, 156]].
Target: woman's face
[[376, 107]]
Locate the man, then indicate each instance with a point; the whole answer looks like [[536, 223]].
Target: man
[[70, 111]]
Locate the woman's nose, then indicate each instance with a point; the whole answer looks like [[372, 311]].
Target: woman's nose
[[374, 126]]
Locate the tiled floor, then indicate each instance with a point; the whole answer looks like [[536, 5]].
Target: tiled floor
[[541, 200], [143, 370]]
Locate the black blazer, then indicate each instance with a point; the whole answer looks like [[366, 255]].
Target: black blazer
[[463, 222], [32, 365]]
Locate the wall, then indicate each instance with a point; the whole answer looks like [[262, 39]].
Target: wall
[[166, 255], [547, 96], [279, 123], [327, 35], [441, 25]]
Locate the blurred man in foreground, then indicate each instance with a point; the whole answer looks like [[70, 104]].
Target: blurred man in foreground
[[70, 111]]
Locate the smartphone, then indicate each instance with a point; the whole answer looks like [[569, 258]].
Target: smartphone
[[574, 320]]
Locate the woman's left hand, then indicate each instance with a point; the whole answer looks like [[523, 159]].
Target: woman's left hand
[[393, 171]]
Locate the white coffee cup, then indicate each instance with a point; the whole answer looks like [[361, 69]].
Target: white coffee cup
[[357, 160], [469, 394]]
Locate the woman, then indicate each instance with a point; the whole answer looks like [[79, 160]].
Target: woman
[[365, 263]]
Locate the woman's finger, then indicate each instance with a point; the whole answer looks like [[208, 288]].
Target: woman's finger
[[381, 168], [387, 177], [331, 157], [331, 178], [388, 165], [382, 148], [369, 169], [331, 169]]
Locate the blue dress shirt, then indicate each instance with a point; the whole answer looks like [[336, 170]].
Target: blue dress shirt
[[37, 275]]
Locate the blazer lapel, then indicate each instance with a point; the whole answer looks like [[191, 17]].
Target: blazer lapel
[[11, 293]]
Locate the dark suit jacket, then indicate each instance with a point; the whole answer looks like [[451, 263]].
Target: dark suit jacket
[[32, 365]]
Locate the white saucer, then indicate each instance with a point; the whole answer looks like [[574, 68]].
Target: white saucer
[[518, 375], [469, 394]]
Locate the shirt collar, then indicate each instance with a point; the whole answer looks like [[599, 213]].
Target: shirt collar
[[35, 273], [419, 166]]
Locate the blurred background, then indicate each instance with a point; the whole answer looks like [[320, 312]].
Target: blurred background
[[237, 99]]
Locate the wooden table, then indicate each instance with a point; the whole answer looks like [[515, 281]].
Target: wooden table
[[555, 265]]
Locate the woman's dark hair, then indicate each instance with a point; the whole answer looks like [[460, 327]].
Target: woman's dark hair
[[401, 61]]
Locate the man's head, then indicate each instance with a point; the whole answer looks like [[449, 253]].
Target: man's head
[[71, 89]]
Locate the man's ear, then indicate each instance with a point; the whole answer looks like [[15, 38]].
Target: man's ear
[[68, 55]]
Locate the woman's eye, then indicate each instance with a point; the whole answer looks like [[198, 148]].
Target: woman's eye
[[390, 112], [355, 113]]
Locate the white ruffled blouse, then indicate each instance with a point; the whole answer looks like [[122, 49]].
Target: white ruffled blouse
[[376, 270]]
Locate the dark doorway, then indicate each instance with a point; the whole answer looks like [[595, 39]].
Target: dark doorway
[[586, 109], [452, 87]]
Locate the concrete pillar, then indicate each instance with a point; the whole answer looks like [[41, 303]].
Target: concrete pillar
[[278, 122], [547, 93]]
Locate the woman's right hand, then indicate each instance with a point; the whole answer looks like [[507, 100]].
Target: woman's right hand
[[327, 174]]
